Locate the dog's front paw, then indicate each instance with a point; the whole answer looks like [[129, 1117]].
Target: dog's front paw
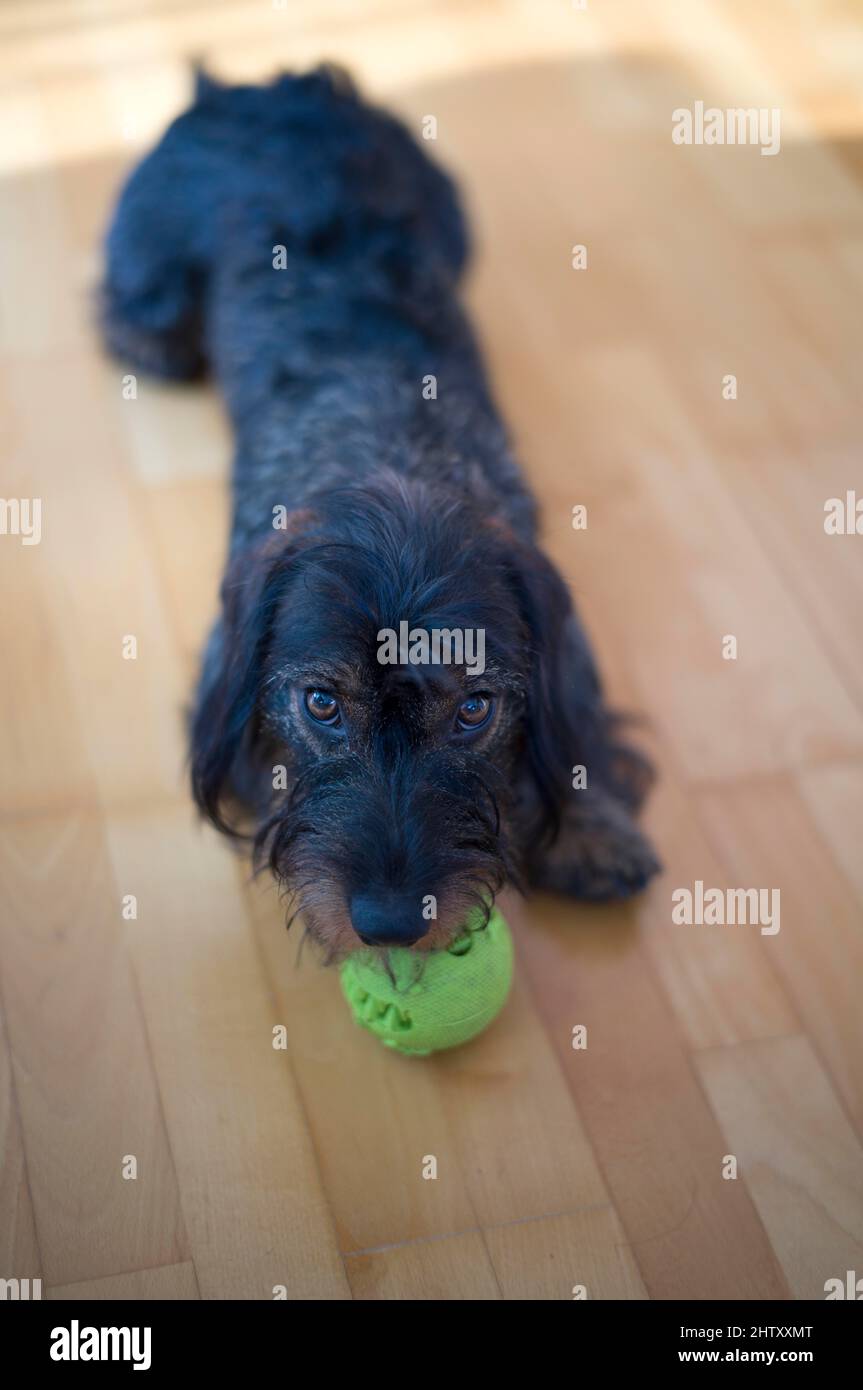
[[599, 856]]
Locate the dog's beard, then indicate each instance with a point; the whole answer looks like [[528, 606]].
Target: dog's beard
[[433, 827]]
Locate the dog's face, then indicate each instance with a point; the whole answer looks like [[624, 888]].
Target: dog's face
[[384, 782]]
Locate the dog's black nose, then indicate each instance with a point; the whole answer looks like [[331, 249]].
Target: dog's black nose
[[387, 919]]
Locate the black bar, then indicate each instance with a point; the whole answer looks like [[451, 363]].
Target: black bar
[[223, 1337]]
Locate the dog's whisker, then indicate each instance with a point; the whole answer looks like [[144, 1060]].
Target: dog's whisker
[[300, 945]]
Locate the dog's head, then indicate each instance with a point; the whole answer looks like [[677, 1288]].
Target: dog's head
[[386, 693]]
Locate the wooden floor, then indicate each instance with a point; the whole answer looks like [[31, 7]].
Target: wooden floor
[[152, 1038]]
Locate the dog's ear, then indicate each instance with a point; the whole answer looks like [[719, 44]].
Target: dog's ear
[[567, 722], [224, 721], [563, 689]]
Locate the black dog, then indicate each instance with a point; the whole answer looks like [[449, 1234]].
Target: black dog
[[297, 243]]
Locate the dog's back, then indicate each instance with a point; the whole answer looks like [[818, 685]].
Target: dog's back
[[301, 245], [302, 163]]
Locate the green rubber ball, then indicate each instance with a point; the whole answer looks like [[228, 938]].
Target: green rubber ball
[[438, 1000]]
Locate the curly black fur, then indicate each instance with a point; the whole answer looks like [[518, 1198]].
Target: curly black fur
[[359, 503]]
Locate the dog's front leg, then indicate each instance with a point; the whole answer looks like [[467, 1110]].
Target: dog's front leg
[[599, 854]]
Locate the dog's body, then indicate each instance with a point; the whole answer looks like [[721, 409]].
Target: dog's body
[[299, 245]]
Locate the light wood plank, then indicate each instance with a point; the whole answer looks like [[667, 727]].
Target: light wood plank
[[174, 434], [138, 1286], [722, 987], [237, 1128], [189, 525], [19, 1247], [130, 710], [373, 1115], [579, 1255], [86, 1091], [768, 840], [40, 774], [643, 1109], [521, 1141], [447, 1270], [834, 800], [797, 1155]]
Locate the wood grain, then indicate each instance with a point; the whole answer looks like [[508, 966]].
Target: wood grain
[[580, 1255], [456, 1268], [85, 1088], [168, 1282], [653, 1132], [229, 1094], [555, 1167], [772, 842], [796, 1153], [19, 1247]]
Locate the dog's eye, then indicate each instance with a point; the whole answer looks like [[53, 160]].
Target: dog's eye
[[323, 707], [474, 712]]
